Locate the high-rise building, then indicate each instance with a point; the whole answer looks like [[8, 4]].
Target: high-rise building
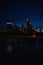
[[42, 29], [39, 29], [16, 27], [1, 29], [16, 30], [22, 28], [9, 26], [29, 25], [9, 30]]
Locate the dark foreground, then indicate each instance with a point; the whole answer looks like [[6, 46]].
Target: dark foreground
[[28, 55], [22, 56]]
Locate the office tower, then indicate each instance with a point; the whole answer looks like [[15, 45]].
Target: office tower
[[9, 26], [28, 23], [22, 28], [29, 27], [16, 30]]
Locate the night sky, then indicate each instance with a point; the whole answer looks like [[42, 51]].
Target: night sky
[[33, 9]]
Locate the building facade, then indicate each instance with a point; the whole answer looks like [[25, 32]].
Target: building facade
[[39, 29]]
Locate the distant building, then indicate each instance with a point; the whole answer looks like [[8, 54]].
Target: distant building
[[9, 25], [29, 25], [42, 29], [1, 29], [39, 29], [16, 27], [22, 28]]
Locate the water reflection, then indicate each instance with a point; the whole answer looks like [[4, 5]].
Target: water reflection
[[10, 44]]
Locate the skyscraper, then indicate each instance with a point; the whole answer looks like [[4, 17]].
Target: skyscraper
[[28, 23], [9, 25], [29, 27]]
